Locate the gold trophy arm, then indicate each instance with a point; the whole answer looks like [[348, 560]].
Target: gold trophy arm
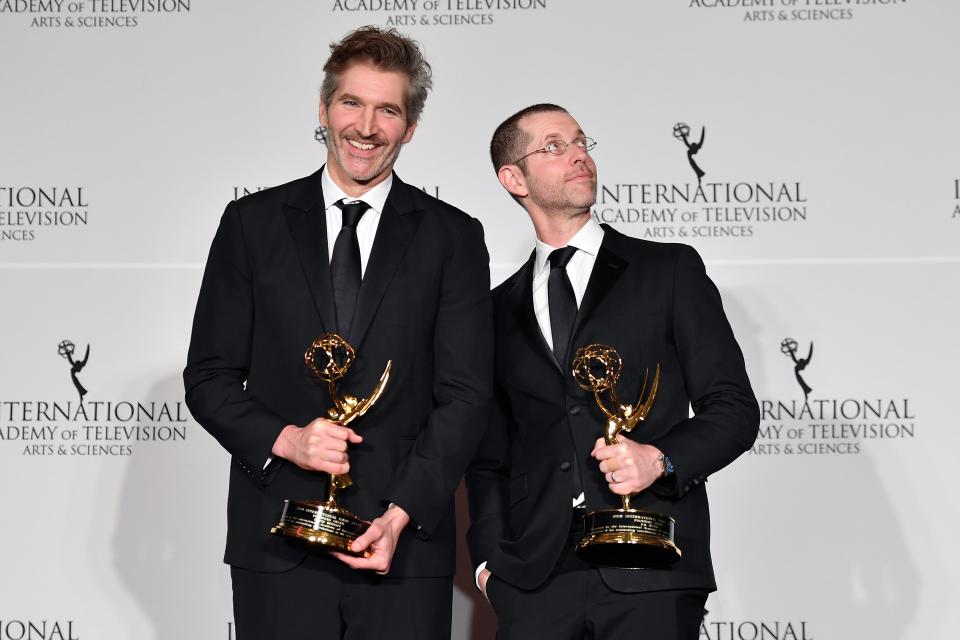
[[644, 409], [365, 405], [603, 407], [337, 400], [613, 427], [639, 412], [337, 481]]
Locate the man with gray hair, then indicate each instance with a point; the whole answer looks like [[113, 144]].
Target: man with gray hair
[[401, 276]]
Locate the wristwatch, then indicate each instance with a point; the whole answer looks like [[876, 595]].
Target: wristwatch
[[666, 464]]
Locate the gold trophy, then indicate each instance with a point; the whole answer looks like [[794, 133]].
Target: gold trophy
[[626, 538], [325, 522]]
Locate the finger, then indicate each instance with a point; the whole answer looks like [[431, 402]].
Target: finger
[[330, 458], [614, 478], [370, 562], [347, 434], [371, 535], [596, 445], [611, 464], [338, 432], [332, 467], [606, 452], [621, 488], [354, 562], [334, 444]]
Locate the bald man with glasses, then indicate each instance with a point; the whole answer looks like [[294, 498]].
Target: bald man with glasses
[[541, 466]]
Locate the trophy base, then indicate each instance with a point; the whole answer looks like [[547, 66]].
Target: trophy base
[[325, 524], [628, 539]]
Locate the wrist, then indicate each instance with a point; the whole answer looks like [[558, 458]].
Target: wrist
[[397, 517], [281, 445]]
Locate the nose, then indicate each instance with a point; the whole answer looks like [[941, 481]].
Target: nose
[[577, 153], [367, 125]]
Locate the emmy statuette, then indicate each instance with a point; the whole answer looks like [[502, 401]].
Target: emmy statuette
[[324, 522], [626, 537]]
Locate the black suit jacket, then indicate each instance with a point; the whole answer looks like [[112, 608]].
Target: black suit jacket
[[424, 303], [654, 303]]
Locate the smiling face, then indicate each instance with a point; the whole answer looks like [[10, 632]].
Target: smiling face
[[366, 126], [556, 186]]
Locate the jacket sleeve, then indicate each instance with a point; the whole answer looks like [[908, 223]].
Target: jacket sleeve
[[726, 416], [218, 360], [424, 482], [487, 481]]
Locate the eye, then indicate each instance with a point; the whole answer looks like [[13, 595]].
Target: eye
[[553, 148], [581, 142]]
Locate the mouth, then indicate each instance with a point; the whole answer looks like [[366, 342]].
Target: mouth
[[581, 176], [361, 146]]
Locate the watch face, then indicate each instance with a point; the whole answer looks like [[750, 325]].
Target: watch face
[[667, 465]]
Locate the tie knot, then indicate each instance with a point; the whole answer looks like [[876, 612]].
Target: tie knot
[[352, 212], [560, 257]]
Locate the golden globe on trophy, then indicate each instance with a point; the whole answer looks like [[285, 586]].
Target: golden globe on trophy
[[324, 522], [627, 538]]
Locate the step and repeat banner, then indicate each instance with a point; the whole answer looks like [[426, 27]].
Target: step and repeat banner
[[809, 149]]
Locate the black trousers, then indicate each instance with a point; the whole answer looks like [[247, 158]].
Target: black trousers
[[323, 598], [576, 604]]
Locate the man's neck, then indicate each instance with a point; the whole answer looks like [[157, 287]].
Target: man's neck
[[557, 231], [352, 188]]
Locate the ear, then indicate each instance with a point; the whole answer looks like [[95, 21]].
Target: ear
[[409, 133], [323, 115], [513, 180]]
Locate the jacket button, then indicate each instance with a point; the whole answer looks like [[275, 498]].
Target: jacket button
[[575, 410], [565, 465]]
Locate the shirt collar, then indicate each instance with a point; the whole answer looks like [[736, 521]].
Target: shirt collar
[[588, 239], [376, 197]]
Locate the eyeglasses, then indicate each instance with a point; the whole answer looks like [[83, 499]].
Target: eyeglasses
[[559, 147]]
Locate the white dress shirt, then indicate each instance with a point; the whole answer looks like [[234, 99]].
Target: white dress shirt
[[587, 241], [376, 198]]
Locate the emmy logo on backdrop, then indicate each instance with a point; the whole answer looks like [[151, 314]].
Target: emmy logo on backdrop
[[324, 522], [66, 349], [789, 346], [681, 131], [626, 537]]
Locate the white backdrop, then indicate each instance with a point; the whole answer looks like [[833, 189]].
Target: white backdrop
[[829, 213]]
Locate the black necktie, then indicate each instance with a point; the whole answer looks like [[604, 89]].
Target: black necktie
[[563, 304], [563, 312], [345, 264]]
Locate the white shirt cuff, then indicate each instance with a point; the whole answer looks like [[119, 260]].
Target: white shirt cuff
[[476, 575]]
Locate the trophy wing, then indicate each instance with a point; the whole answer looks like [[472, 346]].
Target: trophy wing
[[644, 405], [367, 403]]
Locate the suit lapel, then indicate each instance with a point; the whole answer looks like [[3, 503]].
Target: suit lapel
[[307, 222], [607, 269], [398, 225], [520, 302]]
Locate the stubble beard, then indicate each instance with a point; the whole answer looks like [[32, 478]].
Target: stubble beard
[[557, 203], [340, 151]]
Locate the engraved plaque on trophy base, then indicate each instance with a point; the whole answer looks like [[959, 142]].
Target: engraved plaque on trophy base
[[321, 523], [628, 539]]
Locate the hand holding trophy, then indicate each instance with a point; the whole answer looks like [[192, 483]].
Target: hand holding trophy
[[325, 522], [626, 537]]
